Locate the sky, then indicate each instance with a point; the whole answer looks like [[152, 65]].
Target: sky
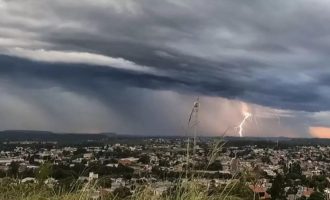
[[136, 67]]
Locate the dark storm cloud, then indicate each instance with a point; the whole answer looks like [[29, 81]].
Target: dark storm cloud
[[272, 53], [98, 81], [247, 50], [91, 78]]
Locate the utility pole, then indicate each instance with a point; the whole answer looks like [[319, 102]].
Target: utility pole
[[193, 122]]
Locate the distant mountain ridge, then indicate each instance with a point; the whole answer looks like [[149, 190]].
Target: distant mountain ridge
[[30, 135], [44, 136]]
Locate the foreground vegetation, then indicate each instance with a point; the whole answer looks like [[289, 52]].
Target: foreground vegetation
[[183, 190]]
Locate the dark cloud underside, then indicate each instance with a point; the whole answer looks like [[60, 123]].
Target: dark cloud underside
[[270, 53]]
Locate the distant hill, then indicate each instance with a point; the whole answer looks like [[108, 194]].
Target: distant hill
[[281, 140], [27, 135], [233, 138], [109, 134]]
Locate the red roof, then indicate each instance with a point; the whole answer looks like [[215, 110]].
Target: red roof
[[308, 191], [259, 189]]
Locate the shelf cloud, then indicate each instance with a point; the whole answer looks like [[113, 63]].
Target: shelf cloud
[[120, 57]]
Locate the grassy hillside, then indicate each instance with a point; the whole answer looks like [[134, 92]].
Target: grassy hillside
[[191, 190]]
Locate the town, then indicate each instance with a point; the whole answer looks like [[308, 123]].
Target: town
[[262, 169]]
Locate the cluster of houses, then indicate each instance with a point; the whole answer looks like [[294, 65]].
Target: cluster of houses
[[170, 155]]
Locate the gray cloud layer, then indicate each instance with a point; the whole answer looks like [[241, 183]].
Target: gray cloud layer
[[272, 53]]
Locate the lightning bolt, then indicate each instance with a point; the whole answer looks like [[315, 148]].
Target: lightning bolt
[[246, 115]]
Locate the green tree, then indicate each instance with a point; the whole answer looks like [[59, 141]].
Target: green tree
[[216, 166], [164, 163], [80, 151], [122, 192], [2, 174], [45, 171], [105, 182], [265, 159], [295, 167], [319, 182], [317, 196], [144, 159], [277, 190], [13, 169]]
